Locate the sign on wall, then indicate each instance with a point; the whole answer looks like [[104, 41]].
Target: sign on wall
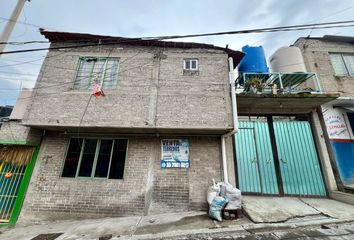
[[174, 153], [335, 123]]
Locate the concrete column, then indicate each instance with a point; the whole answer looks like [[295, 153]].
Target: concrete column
[[323, 154]]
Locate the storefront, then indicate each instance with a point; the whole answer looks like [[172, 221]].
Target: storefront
[[339, 120]]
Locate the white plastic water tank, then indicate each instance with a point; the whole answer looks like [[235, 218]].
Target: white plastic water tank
[[287, 60]]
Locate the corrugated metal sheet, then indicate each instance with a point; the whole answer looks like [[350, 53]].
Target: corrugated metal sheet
[[300, 170], [255, 162], [299, 167]]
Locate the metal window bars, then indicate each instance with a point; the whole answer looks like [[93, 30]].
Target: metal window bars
[[10, 182]]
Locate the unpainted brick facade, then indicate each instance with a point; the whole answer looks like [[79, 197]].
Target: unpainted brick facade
[[146, 188], [152, 91], [155, 99], [317, 59]]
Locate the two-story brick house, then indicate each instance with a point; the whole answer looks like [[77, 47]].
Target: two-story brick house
[[153, 143], [332, 57]]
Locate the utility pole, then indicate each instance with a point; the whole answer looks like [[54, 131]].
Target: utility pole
[[11, 24]]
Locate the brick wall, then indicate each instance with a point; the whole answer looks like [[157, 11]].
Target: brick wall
[[13, 131], [146, 188], [317, 59], [152, 91]]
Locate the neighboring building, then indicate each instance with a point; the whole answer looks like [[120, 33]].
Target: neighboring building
[[5, 112], [153, 143], [18, 151], [332, 57], [279, 147]]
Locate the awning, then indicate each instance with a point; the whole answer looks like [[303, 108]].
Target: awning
[[281, 103]]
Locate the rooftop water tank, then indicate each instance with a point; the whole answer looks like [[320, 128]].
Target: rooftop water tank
[[254, 61], [287, 60]]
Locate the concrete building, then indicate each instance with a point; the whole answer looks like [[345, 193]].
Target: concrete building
[[153, 143], [5, 112], [332, 57], [280, 149]]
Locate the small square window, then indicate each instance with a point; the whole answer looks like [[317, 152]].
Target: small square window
[[190, 64]]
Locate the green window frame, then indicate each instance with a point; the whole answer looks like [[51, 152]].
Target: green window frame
[[95, 158], [93, 70]]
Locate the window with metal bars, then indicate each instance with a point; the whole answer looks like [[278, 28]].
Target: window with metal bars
[[95, 158], [343, 63], [93, 70]]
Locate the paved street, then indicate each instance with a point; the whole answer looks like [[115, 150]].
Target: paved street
[[265, 218], [326, 232]]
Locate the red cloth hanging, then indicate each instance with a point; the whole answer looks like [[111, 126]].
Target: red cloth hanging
[[97, 91]]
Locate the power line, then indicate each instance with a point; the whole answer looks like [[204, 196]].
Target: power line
[[23, 43], [332, 14], [259, 30], [18, 73], [30, 61], [312, 21], [26, 23], [271, 29], [118, 73]]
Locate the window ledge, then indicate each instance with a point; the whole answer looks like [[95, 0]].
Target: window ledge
[[190, 72]]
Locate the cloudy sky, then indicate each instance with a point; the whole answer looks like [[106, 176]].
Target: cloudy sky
[[141, 18]]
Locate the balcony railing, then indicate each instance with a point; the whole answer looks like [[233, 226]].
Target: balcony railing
[[279, 83]]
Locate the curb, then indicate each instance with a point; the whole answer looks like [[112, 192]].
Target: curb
[[235, 231]]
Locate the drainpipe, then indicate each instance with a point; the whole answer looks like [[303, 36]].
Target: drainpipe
[[234, 118]]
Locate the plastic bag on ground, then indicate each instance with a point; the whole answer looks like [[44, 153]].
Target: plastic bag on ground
[[216, 206], [213, 191], [232, 194]]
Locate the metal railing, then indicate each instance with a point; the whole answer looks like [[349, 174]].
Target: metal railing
[[10, 181], [282, 83]]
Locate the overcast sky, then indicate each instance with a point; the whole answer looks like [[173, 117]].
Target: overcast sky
[[140, 18]]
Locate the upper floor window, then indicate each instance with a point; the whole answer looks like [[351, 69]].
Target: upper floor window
[[190, 64], [96, 70], [98, 158], [343, 63]]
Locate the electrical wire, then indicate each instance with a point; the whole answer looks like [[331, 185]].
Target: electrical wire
[[19, 73], [31, 61], [259, 30], [23, 43], [313, 21], [26, 23], [159, 37], [119, 72]]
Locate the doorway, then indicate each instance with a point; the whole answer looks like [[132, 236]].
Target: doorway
[[276, 155]]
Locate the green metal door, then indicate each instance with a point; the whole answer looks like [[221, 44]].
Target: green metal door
[[10, 182], [299, 165], [13, 185], [255, 162]]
